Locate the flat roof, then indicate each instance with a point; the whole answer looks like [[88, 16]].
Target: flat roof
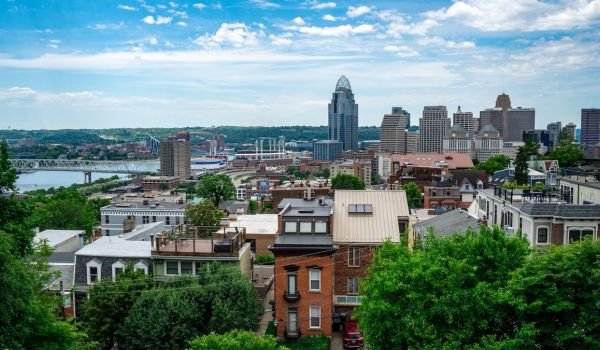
[[257, 224], [56, 237], [117, 247], [124, 205]]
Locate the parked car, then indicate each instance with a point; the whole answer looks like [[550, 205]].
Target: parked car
[[352, 337]]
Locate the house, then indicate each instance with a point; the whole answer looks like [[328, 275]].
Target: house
[[234, 207], [299, 189], [303, 251], [580, 187], [548, 167], [452, 160], [443, 195], [455, 221], [362, 221], [508, 175], [261, 230]]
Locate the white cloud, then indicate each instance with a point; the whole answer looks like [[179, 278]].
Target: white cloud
[[173, 4], [161, 6], [127, 8], [329, 17], [217, 6], [181, 14], [235, 34], [338, 31], [159, 20], [149, 8], [438, 41], [153, 41], [16, 93], [279, 40], [182, 24], [264, 4], [101, 26], [299, 21], [398, 24], [199, 5], [401, 51], [357, 11], [315, 5]]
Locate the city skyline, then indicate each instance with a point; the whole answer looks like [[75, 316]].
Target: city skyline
[[257, 62]]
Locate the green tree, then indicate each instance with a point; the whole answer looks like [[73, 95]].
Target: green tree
[[557, 292], [524, 154], [325, 173], [235, 340], [442, 294], [494, 163], [216, 187], [568, 155], [108, 304], [413, 195], [203, 214], [347, 182]]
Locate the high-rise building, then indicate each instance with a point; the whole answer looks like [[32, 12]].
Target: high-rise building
[[503, 102], [394, 134], [465, 120], [570, 129], [343, 116], [432, 128], [510, 122], [487, 143], [329, 150], [590, 126], [175, 159], [554, 130], [457, 140], [398, 111]]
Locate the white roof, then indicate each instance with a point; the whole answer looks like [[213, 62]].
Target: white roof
[[382, 224], [257, 224], [116, 247], [56, 237]]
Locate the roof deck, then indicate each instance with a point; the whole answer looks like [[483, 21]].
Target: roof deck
[[518, 196], [187, 240]]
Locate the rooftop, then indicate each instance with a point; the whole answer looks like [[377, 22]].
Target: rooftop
[[453, 159], [257, 224], [56, 237], [343, 83], [302, 207], [455, 221], [149, 205], [190, 240], [116, 247], [304, 241]]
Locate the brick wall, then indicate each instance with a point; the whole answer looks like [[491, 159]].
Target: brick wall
[[557, 235], [343, 271]]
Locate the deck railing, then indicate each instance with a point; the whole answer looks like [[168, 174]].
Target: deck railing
[[199, 240]]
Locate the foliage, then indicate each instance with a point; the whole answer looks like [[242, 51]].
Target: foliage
[[264, 259], [513, 185], [271, 329], [347, 182], [568, 155], [494, 163], [413, 195], [539, 186], [109, 302], [445, 293], [524, 154], [203, 214], [375, 179], [235, 340], [557, 292], [216, 187], [8, 175], [252, 206], [299, 175], [325, 173], [313, 343], [218, 300]]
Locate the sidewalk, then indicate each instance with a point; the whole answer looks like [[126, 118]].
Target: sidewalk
[[268, 312]]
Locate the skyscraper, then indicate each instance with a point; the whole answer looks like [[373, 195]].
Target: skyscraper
[[457, 140], [432, 128], [554, 130], [590, 126], [570, 129], [343, 116], [465, 120], [394, 134], [510, 122], [175, 159]]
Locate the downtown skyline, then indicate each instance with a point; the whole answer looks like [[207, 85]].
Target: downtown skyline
[[256, 62]]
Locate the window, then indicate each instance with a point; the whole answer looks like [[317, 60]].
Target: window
[[94, 271], [305, 227], [168, 220], [117, 268], [542, 235], [186, 267], [291, 283], [402, 224], [177, 220], [321, 227], [153, 218], [578, 234], [145, 219], [93, 274], [315, 317], [352, 285], [315, 280], [291, 226], [172, 268], [140, 265], [292, 320], [106, 219], [353, 257]]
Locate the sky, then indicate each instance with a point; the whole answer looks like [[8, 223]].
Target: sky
[[143, 63]]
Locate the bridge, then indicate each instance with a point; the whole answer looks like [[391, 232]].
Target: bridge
[[86, 166]]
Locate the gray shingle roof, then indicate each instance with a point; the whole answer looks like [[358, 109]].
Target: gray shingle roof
[[455, 221], [561, 210]]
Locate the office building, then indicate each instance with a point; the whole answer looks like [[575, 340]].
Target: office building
[[327, 150], [343, 116], [510, 122], [590, 126], [360, 168], [399, 111], [465, 120], [175, 159], [457, 139], [570, 129], [432, 128], [554, 130], [494, 117], [487, 143], [394, 134]]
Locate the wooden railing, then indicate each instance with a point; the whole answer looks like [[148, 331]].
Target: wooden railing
[[199, 240]]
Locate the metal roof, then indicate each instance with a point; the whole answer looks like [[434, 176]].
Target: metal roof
[[455, 221], [116, 247], [382, 224], [56, 237]]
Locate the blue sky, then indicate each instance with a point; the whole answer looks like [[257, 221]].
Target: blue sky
[[143, 63]]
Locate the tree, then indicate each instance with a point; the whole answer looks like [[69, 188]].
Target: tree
[[347, 182], [203, 214], [108, 304], [494, 163], [524, 154], [557, 292], [216, 187], [238, 340], [568, 155], [413, 195], [445, 293], [8, 174]]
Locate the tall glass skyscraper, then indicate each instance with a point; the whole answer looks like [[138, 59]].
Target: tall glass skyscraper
[[343, 116]]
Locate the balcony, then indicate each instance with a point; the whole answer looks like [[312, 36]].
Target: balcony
[[521, 196], [291, 296], [187, 240]]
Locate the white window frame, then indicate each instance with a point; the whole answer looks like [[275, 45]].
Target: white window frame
[[292, 275], [318, 226], [141, 265], [311, 279], [166, 269], [119, 264], [93, 263], [352, 281], [353, 257], [537, 233], [311, 310], [581, 229]]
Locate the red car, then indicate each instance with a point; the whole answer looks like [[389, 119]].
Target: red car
[[352, 337]]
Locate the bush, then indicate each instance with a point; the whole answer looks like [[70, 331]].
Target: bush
[[313, 343], [271, 330], [265, 259]]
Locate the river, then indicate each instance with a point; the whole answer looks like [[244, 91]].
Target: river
[[46, 179]]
